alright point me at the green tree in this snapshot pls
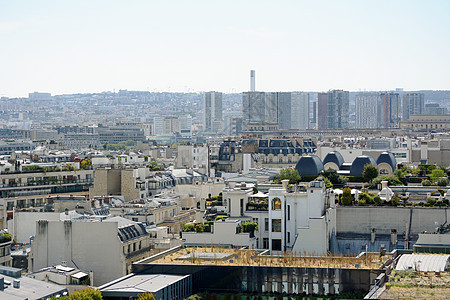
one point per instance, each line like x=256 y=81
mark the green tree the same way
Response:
x=442 y=182
x=249 y=227
x=370 y=172
x=84 y=294
x=199 y=227
x=189 y=227
x=391 y=179
x=437 y=173
x=291 y=174
x=426 y=182
x=347 y=196
x=331 y=174
x=334 y=177
x=377 y=200
x=395 y=200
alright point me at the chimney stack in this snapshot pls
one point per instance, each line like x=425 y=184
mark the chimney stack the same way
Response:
x=252 y=81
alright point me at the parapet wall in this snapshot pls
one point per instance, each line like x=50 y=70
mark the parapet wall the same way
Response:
x=361 y=220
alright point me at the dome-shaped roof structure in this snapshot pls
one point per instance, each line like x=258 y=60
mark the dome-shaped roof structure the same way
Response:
x=359 y=163
x=334 y=157
x=309 y=165
x=388 y=158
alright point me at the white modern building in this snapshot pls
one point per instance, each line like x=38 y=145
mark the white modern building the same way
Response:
x=413 y=104
x=297 y=219
x=158 y=125
x=299 y=110
x=368 y=110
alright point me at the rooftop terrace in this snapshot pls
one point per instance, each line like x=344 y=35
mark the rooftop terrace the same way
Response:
x=246 y=257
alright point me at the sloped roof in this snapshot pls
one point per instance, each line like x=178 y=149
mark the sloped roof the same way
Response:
x=309 y=165
x=389 y=158
x=334 y=157
x=359 y=163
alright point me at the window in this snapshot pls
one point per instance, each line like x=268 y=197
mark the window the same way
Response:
x=276 y=244
x=265 y=243
x=276 y=203
x=276 y=225
x=288 y=237
x=288 y=212
x=266 y=224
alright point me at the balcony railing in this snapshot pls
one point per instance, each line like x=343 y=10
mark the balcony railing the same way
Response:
x=139 y=252
x=11 y=185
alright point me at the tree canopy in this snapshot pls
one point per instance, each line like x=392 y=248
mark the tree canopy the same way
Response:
x=370 y=172
x=291 y=174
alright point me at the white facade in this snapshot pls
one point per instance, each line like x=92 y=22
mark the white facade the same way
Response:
x=301 y=221
x=298 y=221
x=368 y=110
x=88 y=245
x=186 y=125
x=223 y=233
x=194 y=157
x=299 y=110
x=158 y=125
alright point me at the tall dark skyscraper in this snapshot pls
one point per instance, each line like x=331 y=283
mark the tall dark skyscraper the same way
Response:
x=391 y=110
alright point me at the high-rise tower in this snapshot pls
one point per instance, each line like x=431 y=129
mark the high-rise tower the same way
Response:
x=413 y=104
x=333 y=110
x=252 y=81
x=212 y=112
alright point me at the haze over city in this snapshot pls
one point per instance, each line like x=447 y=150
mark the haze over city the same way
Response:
x=198 y=150
x=93 y=46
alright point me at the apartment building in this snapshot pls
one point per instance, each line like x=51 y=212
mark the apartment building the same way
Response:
x=107 y=247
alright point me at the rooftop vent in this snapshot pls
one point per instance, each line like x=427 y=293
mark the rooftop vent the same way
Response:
x=16 y=283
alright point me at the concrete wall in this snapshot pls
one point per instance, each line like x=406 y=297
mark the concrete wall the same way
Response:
x=128 y=185
x=224 y=233
x=348 y=154
x=313 y=239
x=24 y=224
x=90 y=246
x=106 y=182
x=199 y=190
x=383 y=219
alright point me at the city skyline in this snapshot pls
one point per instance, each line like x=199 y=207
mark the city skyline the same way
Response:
x=81 y=47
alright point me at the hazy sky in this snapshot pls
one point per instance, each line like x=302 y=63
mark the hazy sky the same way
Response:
x=92 y=46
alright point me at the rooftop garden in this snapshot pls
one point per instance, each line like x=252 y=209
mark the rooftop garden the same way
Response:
x=417 y=285
x=243 y=257
x=5 y=237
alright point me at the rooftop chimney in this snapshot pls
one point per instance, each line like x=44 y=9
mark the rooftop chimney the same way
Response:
x=16 y=283
x=284 y=183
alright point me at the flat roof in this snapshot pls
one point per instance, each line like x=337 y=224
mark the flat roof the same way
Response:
x=30 y=288
x=244 y=257
x=141 y=283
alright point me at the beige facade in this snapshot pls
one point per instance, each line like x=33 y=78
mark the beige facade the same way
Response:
x=124 y=182
x=427 y=122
